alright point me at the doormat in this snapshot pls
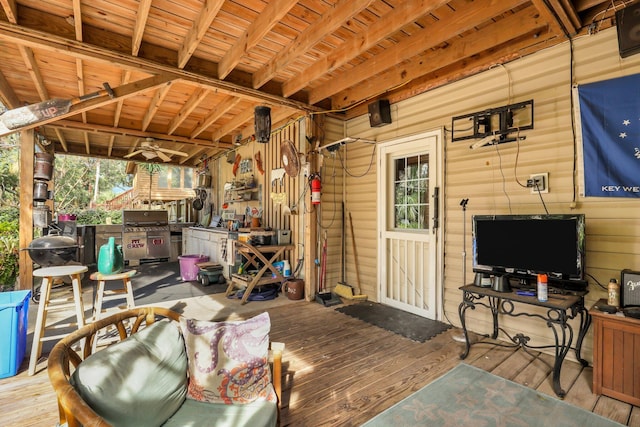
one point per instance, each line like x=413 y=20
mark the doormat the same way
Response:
x=469 y=396
x=412 y=326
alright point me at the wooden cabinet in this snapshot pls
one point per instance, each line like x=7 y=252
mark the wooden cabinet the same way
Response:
x=213 y=243
x=616 y=355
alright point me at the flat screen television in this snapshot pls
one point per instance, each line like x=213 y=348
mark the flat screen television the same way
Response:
x=522 y=246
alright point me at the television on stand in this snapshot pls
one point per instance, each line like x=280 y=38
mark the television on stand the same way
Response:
x=520 y=247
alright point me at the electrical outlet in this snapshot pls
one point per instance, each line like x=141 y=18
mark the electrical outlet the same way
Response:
x=538 y=182
x=305 y=169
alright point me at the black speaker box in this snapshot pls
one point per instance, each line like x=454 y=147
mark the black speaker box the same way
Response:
x=629 y=288
x=379 y=113
x=628 y=26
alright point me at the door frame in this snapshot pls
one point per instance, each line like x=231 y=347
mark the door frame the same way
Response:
x=438 y=234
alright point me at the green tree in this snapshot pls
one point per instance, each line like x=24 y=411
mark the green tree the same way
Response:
x=9 y=174
x=75 y=178
x=151 y=169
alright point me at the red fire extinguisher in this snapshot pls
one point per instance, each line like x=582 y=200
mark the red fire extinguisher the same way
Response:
x=316 y=188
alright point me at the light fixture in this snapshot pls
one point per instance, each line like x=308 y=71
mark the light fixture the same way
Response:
x=262 y=123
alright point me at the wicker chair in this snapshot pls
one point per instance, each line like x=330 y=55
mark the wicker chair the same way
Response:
x=64 y=359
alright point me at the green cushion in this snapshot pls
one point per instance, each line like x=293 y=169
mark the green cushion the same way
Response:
x=194 y=413
x=140 y=381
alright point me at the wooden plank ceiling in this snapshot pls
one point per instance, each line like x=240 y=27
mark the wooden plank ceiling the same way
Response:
x=189 y=73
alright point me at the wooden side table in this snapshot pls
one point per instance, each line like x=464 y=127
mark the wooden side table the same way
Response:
x=48 y=274
x=616 y=355
x=254 y=254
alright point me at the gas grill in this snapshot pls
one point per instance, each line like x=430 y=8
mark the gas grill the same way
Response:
x=145 y=235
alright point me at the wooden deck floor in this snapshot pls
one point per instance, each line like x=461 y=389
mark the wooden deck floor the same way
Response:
x=340 y=371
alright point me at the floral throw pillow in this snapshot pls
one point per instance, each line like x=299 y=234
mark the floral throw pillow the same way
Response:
x=228 y=361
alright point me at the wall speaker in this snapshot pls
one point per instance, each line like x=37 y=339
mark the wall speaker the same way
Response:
x=628 y=26
x=629 y=288
x=379 y=113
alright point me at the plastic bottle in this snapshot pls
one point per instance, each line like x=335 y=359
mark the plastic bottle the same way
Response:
x=614 y=293
x=542 y=288
x=286 y=269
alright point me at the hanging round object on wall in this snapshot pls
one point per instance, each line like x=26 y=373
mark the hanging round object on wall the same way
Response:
x=262 y=123
x=290 y=158
x=197 y=203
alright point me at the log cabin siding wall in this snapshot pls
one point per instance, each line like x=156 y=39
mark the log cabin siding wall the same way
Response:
x=487 y=176
x=143 y=190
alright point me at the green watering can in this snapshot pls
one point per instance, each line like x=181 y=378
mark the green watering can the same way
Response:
x=110 y=258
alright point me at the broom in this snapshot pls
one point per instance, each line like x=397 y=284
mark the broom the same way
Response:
x=343 y=289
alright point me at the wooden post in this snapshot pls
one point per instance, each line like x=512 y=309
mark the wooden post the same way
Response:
x=27 y=138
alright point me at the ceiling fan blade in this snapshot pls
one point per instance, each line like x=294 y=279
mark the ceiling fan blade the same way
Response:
x=163 y=156
x=177 y=153
x=134 y=153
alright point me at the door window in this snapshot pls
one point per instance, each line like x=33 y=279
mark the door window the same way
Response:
x=411 y=192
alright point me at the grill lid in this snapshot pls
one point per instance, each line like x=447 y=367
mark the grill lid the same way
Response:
x=142 y=218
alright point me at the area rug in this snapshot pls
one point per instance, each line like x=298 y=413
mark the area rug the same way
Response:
x=408 y=325
x=469 y=396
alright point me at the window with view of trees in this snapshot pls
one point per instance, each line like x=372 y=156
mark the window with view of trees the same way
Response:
x=411 y=192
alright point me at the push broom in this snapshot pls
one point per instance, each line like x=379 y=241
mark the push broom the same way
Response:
x=342 y=288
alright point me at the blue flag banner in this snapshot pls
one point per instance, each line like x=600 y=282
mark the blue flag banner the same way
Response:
x=610 y=118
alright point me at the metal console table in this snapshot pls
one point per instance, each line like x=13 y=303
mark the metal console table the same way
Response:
x=560 y=309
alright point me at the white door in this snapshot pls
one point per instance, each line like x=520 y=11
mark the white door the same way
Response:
x=409 y=223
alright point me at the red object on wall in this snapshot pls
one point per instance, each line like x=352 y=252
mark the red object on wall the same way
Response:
x=316 y=189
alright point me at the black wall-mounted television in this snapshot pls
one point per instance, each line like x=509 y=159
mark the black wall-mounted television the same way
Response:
x=523 y=246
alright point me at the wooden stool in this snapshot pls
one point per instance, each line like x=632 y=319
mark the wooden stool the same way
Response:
x=126 y=292
x=48 y=275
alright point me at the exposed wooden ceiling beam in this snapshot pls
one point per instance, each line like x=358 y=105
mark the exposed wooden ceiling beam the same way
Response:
x=77 y=19
x=59 y=45
x=220 y=109
x=126 y=132
x=141 y=23
x=233 y=124
x=502 y=32
x=548 y=15
x=112 y=139
x=87 y=146
x=424 y=39
x=266 y=20
x=77 y=25
x=194 y=153
x=157 y=99
x=34 y=71
x=10 y=9
x=61 y=139
x=126 y=77
x=397 y=18
x=566 y=14
x=198 y=30
x=331 y=21
x=196 y=98
x=7 y=95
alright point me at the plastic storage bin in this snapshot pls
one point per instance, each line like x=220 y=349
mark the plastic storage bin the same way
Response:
x=14 y=312
x=188 y=268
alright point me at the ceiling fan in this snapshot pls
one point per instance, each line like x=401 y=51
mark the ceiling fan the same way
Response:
x=149 y=151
